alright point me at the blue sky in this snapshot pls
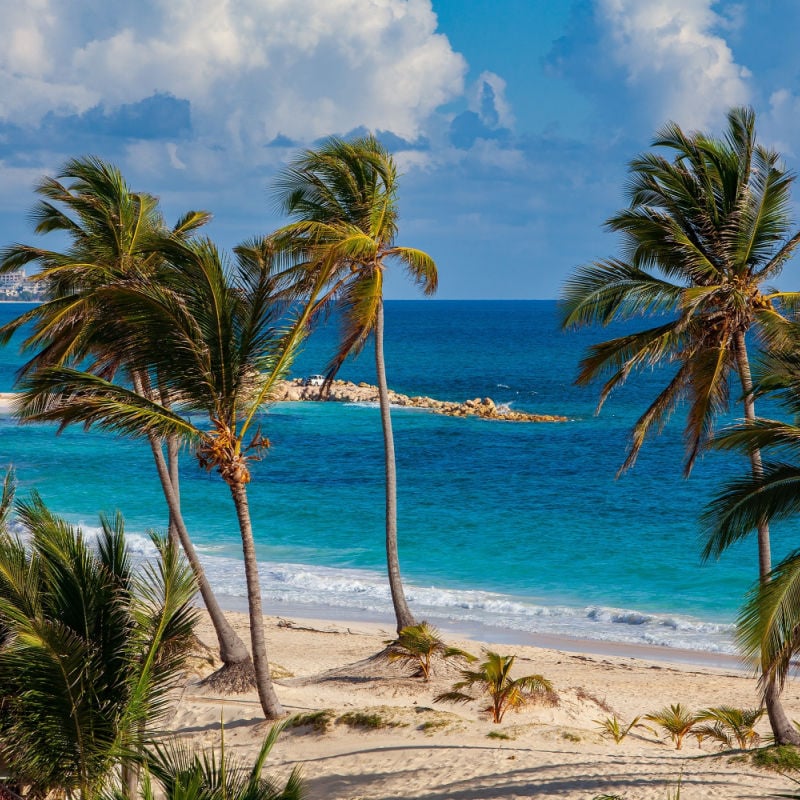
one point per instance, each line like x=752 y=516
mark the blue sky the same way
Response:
x=512 y=120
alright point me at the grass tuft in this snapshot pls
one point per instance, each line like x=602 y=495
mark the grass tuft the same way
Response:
x=365 y=721
x=780 y=758
x=434 y=725
x=318 y=721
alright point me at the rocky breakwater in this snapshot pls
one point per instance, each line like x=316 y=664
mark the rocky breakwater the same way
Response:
x=346 y=392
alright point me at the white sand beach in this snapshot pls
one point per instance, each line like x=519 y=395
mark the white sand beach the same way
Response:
x=435 y=750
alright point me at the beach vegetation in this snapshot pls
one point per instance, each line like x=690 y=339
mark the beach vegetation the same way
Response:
x=367 y=720
x=417 y=645
x=676 y=720
x=705 y=232
x=731 y=727
x=777 y=758
x=90 y=652
x=342 y=201
x=499 y=735
x=583 y=694
x=614 y=728
x=182 y=772
x=319 y=721
x=493 y=678
x=431 y=725
x=115 y=238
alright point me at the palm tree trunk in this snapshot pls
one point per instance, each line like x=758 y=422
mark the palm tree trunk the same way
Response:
x=270 y=704
x=174 y=477
x=401 y=609
x=236 y=673
x=782 y=728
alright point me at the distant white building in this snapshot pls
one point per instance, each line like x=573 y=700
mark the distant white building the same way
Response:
x=12 y=280
x=16 y=285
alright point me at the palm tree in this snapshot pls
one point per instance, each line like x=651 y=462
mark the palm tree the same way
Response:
x=729 y=726
x=768 y=622
x=116 y=237
x=703 y=234
x=418 y=645
x=90 y=651
x=676 y=720
x=220 y=345
x=342 y=198
x=493 y=677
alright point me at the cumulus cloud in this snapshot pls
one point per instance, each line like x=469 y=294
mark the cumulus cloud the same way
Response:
x=669 y=51
x=648 y=61
x=250 y=70
x=778 y=126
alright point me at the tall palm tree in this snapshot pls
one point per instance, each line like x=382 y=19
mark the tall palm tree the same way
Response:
x=342 y=198
x=90 y=652
x=703 y=234
x=769 y=623
x=220 y=345
x=115 y=238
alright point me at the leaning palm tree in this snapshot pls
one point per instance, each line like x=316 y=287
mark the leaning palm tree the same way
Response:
x=90 y=653
x=704 y=233
x=115 y=238
x=220 y=345
x=342 y=198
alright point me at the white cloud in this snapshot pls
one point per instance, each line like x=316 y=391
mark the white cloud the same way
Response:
x=250 y=69
x=672 y=58
x=778 y=126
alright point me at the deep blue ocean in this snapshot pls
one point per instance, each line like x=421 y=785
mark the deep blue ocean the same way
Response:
x=522 y=527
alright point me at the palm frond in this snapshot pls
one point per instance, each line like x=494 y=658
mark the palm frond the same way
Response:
x=766 y=629
x=69 y=396
x=745 y=502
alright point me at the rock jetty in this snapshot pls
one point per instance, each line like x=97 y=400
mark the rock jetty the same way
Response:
x=347 y=392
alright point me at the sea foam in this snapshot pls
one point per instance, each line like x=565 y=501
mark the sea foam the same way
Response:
x=356 y=590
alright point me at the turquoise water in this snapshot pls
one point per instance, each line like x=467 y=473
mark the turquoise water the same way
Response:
x=517 y=526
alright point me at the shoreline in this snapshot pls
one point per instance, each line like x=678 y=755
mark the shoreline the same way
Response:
x=481 y=632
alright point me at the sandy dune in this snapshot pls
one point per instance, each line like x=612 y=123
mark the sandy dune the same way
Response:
x=432 y=750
